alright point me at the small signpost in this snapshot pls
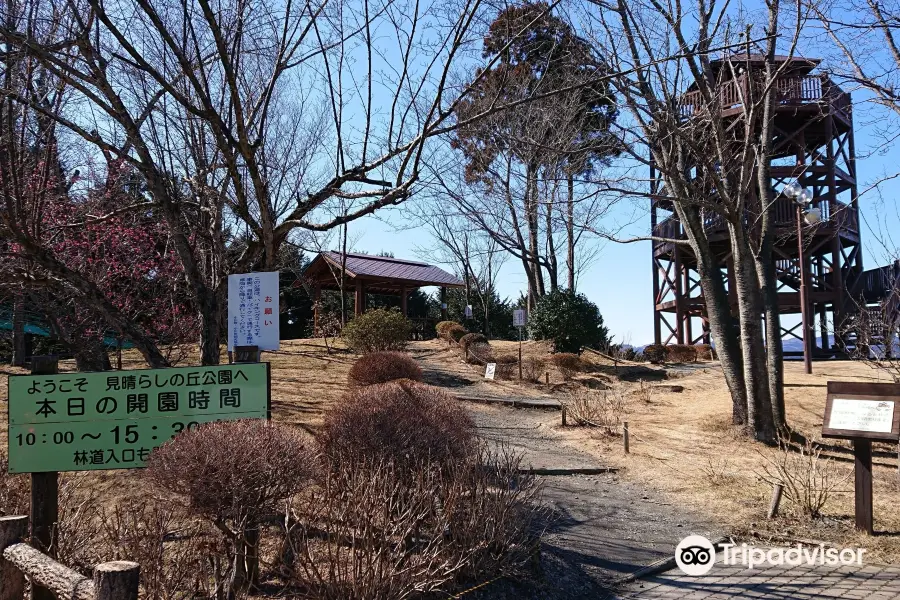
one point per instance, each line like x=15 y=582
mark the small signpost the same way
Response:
x=253 y=311
x=519 y=322
x=113 y=419
x=489 y=370
x=862 y=412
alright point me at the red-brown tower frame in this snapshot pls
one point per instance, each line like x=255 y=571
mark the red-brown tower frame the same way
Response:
x=813 y=144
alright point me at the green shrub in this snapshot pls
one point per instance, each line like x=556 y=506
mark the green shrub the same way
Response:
x=381 y=367
x=377 y=330
x=456 y=332
x=682 y=353
x=656 y=353
x=569 y=320
x=567 y=364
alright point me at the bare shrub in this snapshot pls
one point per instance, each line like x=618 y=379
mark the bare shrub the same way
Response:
x=15 y=491
x=682 y=353
x=644 y=392
x=596 y=408
x=76 y=536
x=377 y=330
x=455 y=332
x=235 y=474
x=705 y=352
x=656 y=353
x=470 y=339
x=479 y=353
x=381 y=367
x=372 y=532
x=402 y=421
x=719 y=472
x=507 y=365
x=177 y=553
x=442 y=327
x=568 y=364
x=533 y=368
x=808 y=478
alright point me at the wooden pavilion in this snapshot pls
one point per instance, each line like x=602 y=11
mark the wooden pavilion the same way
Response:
x=367 y=274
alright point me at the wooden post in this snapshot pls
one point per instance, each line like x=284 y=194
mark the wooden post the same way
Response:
x=564 y=415
x=443 y=304
x=12 y=581
x=547 y=377
x=862 y=454
x=116 y=580
x=777 y=490
x=403 y=308
x=44 y=492
x=625 y=436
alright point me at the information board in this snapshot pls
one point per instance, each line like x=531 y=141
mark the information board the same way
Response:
x=875 y=416
x=490 y=370
x=862 y=410
x=253 y=310
x=518 y=318
x=113 y=419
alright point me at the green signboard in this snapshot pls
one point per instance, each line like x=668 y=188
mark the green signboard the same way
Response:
x=112 y=420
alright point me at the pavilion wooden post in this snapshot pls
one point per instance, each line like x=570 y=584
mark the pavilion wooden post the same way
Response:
x=443 y=303
x=317 y=295
x=403 y=307
x=44 y=492
x=359 y=304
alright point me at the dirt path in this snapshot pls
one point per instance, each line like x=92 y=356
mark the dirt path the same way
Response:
x=601 y=528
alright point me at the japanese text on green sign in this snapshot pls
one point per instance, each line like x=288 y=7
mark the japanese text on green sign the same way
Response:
x=112 y=420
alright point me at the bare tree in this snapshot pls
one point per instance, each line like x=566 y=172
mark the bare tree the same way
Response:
x=701 y=97
x=252 y=117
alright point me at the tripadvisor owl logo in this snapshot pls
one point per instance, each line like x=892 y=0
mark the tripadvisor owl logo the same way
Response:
x=695 y=555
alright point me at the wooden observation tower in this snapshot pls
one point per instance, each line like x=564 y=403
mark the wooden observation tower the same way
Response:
x=813 y=145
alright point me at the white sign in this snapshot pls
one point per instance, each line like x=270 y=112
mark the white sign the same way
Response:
x=253 y=310
x=518 y=318
x=468 y=311
x=876 y=416
x=489 y=370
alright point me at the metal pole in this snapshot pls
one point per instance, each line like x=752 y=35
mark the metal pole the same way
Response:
x=520 y=352
x=804 y=308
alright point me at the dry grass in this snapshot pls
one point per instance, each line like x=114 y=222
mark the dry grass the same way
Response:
x=684 y=445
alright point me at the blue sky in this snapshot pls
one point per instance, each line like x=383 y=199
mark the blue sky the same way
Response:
x=619 y=281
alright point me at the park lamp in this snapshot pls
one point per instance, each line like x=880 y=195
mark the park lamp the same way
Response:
x=803 y=197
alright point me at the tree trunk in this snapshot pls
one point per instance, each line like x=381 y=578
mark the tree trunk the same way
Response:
x=210 y=328
x=750 y=306
x=531 y=211
x=570 y=231
x=18 y=324
x=721 y=323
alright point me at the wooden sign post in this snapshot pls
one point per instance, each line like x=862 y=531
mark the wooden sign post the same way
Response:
x=862 y=412
x=44 y=492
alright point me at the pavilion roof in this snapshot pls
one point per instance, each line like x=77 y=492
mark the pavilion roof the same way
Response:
x=378 y=272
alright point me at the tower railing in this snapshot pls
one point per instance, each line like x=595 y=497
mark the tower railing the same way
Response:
x=838 y=215
x=790 y=90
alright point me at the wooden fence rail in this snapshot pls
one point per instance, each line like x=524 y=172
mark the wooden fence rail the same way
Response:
x=117 y=580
